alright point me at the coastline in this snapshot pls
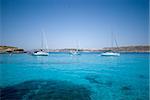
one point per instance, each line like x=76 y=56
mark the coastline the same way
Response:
x=123 y=49
x=10 y=49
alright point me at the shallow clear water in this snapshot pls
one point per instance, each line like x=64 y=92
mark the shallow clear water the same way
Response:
x=100 y=78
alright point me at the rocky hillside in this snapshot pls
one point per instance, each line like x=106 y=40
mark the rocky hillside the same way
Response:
x=10 y=49
x=130 y=49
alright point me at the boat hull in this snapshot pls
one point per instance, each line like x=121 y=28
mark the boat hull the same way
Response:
x=41 y=54
x=74 y=53
x=110 y=54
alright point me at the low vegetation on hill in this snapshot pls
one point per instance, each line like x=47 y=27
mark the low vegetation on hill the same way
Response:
x=130 y=49
x=10 y=49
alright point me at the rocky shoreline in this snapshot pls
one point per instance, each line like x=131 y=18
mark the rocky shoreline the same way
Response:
x=130 y=49
x=10 y=49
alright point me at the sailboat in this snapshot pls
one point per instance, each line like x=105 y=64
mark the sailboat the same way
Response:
x=42 y=52
x=111 y=52
x=75 y=52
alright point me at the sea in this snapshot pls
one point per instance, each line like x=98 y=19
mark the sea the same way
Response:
x=62 y=76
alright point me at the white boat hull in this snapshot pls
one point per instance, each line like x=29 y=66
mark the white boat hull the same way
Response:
x=41 y=53
x=74 y=53
x=110 y=54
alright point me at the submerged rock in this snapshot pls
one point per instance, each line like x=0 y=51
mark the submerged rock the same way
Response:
x=93 y=79
x=97 y=80
x=126 y=88
x=142 y=77
x=45 y=90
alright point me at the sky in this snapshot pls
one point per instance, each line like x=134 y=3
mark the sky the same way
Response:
x=68 y=23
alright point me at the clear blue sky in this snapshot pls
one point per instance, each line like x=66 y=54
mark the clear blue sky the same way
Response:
x=90 y=22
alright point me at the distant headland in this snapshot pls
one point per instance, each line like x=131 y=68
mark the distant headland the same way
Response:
x=141 y=48
x=11 y=49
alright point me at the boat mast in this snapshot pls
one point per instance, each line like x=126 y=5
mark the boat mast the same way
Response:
x=77 y=47
x=42 y=41
x=116 y=43
x=112 y=40
x=46 y=43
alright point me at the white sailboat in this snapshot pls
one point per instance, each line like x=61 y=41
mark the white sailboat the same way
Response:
x=111 y=52
x=75 y=52
x=42 y=51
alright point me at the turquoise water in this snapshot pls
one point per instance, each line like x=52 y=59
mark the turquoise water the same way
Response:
x=88 y=76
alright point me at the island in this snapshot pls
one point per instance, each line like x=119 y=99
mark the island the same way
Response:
x=116 y=49
x=10 y=49
x=130 y=48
